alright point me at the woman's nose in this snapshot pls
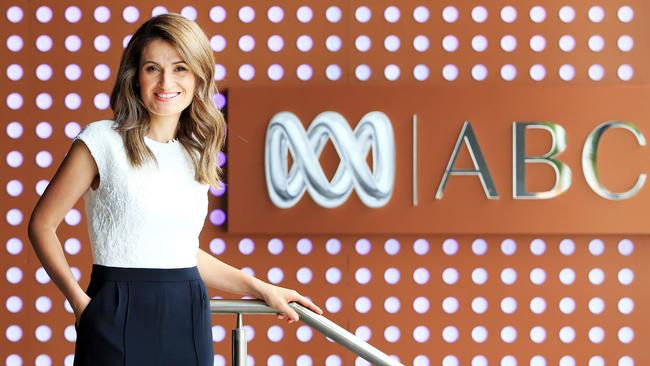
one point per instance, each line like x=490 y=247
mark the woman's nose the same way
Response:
x=166 y=79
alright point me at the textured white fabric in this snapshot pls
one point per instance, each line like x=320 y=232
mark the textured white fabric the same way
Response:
x=148 y=217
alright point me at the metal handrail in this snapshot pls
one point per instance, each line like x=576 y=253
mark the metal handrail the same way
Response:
x=327 y=327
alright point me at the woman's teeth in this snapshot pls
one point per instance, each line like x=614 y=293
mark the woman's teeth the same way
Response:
x=167 y=95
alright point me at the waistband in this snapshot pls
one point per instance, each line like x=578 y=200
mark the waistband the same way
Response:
x=101 y=272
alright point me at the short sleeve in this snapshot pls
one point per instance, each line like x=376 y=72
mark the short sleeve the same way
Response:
x=95 y=139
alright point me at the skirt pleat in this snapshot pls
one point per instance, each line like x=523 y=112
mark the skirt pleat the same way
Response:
x=145 y=316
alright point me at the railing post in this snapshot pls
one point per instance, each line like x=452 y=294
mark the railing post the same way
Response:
x=239 y=343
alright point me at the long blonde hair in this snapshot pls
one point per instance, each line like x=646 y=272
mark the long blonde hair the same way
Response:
x=201 y=128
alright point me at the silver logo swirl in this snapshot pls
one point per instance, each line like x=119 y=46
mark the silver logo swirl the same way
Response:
x=285 y=135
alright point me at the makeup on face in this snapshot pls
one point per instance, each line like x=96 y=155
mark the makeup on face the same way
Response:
x=166 y=81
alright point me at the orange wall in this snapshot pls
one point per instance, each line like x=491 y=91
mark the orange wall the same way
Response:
x=37 y=327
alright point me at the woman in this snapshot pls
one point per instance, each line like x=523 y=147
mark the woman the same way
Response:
x=144 y=177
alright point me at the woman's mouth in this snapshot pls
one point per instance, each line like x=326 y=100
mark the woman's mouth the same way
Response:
x=166 y=96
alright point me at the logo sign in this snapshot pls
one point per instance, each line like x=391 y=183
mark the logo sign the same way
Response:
x=373 y=134
x=502 y=160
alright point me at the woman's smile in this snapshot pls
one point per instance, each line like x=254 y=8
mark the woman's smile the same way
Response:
x=164 y=97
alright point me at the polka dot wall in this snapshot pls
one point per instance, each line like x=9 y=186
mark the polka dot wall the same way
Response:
x=432 y=300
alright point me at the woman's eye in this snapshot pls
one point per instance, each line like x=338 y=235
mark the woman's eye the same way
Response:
x=152 y=68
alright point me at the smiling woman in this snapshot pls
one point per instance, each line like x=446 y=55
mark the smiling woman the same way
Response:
x=147 y=301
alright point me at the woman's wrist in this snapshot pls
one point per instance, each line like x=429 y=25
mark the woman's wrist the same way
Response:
x=78 y=300
x=254 y=287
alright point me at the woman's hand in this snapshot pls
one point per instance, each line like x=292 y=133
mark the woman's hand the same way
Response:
x=80 y=307
x=280 y=297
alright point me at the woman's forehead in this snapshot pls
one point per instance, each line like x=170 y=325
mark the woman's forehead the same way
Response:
x=160 y=51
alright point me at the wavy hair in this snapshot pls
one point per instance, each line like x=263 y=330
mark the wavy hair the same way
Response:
x=201 y=128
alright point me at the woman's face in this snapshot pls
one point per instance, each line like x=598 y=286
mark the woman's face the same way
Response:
x=166 y=81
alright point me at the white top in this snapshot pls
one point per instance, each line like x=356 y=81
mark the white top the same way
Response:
x=144 y=217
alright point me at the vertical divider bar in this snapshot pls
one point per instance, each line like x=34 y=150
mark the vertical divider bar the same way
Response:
x=415 y=159
x=239 y=351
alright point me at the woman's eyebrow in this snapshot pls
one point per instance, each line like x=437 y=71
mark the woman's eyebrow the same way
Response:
x=154 y=62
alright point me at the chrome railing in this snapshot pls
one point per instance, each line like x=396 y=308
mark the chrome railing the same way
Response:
x=327 y=327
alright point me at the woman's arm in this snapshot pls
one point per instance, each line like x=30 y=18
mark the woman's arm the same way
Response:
x=222 y=276
x=73 y=177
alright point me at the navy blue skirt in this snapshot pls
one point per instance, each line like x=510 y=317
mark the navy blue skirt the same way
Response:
x=145 y=316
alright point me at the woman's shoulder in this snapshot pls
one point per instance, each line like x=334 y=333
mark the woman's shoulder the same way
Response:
x=104 y=129
x=102 y=125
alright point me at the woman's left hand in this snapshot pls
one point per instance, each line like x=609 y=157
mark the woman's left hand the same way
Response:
x=280 y=297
